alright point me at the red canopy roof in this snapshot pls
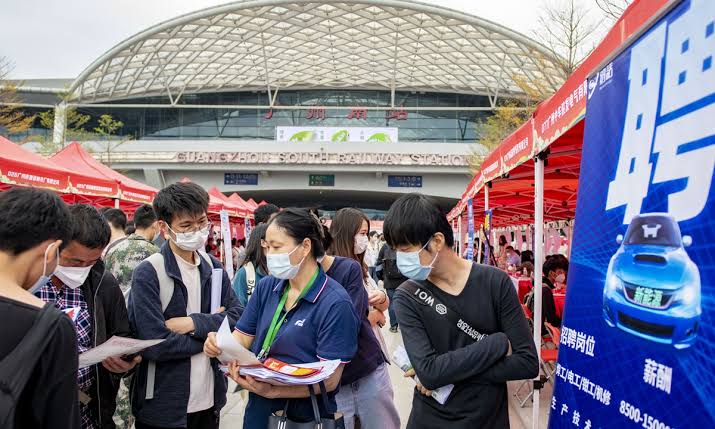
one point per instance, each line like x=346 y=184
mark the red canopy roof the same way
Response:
x=557 y=125
x=19 y=166
x=233 y=208
x=252 y=203
x=75 y=158
x=237 y=198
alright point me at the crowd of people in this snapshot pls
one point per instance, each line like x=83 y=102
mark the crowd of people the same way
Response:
x=71 y=278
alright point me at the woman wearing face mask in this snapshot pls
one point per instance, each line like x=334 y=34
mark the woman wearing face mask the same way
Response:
x=461 y=322
x=366 y=392
x=297 y=315
x=34 y=224
x=555 y=269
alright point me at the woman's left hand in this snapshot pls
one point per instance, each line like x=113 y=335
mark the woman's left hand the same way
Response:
x=249 y=383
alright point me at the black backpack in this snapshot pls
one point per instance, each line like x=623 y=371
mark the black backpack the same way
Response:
x=17 y=367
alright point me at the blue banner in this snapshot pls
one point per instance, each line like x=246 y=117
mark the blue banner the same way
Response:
x=638 y=339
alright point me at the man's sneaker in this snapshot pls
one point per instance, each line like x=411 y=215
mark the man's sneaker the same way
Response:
x=393 y=329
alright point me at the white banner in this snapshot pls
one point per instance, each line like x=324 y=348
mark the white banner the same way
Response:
x=227 y=248
x=336 y=134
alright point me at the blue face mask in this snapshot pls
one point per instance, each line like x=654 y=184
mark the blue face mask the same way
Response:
x=410 y=266
x=44 y=278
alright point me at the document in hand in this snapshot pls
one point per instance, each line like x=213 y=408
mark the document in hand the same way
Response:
x=403 y=361
x=231 y=349
x=114 y=347
x=319 y=371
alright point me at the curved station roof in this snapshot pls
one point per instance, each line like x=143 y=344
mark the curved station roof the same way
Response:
x=278 y=44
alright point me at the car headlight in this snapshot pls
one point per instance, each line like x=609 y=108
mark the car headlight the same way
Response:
x=614 y=283
x=690 y=294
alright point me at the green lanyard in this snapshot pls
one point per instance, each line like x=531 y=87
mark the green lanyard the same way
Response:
x=276 y=323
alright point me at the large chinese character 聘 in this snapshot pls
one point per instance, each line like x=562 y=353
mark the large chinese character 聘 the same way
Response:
x=632 y=179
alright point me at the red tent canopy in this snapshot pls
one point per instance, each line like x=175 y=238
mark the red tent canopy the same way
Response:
x=75 y=158
x=234 y=208
x=215 y=204
x=237 y=198
x=252 y=203
x=555 y=130
x=19 y=166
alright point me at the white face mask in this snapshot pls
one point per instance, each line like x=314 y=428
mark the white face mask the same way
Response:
x=279 y=265
x=44 y=278
x=191 y=241
x=72 y=277
x=561 y=278
x=361 y=242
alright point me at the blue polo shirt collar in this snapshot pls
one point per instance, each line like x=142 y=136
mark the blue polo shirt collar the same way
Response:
x=315 y=291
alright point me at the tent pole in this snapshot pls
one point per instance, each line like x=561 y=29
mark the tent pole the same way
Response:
x=538 y=261
x=116 y=203
x=461 y=237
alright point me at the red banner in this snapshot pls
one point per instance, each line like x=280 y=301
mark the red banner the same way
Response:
x=518 y=147
x=492 y=165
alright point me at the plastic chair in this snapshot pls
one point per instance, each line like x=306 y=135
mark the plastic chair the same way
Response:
x=548 y=360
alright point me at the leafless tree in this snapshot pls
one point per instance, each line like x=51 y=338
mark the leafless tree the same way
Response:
x=613 y=9
x=566 y=27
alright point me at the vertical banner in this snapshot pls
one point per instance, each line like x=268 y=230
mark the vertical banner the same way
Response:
x=487 y=233
x=638 y=338
x=470 y=229
x=227 y=249
x=247 y=228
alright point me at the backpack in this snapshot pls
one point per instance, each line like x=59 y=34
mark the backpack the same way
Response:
x=166 y=292
x=17 y=367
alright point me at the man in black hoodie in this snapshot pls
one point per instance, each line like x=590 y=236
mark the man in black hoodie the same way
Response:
x=91 y=296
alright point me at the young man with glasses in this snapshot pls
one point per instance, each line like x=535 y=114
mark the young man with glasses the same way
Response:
x=177 y=386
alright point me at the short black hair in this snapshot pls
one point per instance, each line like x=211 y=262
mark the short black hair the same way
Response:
x=509 y=247
x=89 y=228
x=144 y=217
x=413 y=220
x=131 y=228
x=301 y=224
x=527 y=256
x=116 y=218
x=263 y=213
x=31 y=216
x=554 y=262
x=180 y=199
x=372 y=233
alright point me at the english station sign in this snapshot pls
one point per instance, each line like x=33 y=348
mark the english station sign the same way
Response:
x=321 y=158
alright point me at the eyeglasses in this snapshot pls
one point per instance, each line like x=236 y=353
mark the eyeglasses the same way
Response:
x=193 y=228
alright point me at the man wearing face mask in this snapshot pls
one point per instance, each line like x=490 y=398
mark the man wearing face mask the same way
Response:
x=461 y=323
x=83 y=287
x=34 y=224
x=177 y=386
x=555 y=269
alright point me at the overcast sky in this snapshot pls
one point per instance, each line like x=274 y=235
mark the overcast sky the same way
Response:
x=58 y=39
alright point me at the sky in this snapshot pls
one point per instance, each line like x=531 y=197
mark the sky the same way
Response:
x=59 y=39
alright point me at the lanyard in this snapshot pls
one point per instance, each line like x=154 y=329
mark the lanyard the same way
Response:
x=275 y=322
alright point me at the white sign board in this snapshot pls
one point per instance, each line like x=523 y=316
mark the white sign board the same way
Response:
x=336 y=134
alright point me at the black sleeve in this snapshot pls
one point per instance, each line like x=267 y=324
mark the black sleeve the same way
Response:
x=548 y=308
x=55 y=399
x=436 y=370
x=115 y=308
x=522 y=364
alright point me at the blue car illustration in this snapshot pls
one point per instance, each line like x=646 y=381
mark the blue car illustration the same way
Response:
x=652 y=286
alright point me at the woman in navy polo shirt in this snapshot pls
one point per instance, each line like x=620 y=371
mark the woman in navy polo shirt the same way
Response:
x=366 y=390
x=296 y=315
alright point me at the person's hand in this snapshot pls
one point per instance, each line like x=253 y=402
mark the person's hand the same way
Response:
x=423 y=390
x=249 y=383
x=210 y=347
x=509 y=351
x=376 y=297
x=118 y=365
x=220 y=310
x=181 y=325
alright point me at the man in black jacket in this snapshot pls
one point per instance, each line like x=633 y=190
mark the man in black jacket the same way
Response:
x=391 y=278
x=91 y=296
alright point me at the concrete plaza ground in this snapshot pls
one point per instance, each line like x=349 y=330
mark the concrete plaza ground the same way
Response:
x=520 y=418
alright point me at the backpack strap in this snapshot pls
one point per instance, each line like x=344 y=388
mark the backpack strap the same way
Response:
x=423 y=296
x=250 y=277
x=166 y=292
x=17 y=367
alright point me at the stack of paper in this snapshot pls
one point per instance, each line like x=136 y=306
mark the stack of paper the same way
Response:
x=325 y=370
x=233 y=351
x=403 y=361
